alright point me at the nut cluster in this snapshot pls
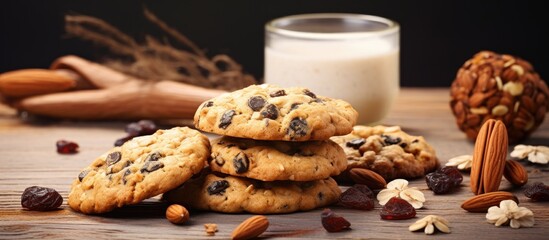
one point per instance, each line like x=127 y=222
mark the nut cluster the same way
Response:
x=502 y=87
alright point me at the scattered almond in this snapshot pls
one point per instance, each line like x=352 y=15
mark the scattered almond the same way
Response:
x=481 y=202
x=210 y=228
x=367 y=177
x=28 y=82
x=250 y=228
x=515 y=173
x=177 y=214
x=489 y=157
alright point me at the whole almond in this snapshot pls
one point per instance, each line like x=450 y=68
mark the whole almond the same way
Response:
x=177 y=214
x=29 y=82
x=489 y=157
x=250 y=228
x=367 y=177
x=515 y=173
x=481 y=202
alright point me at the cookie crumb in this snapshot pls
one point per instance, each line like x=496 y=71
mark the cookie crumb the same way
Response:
x=211 y=228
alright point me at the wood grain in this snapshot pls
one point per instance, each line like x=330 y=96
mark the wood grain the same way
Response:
x=28 y=157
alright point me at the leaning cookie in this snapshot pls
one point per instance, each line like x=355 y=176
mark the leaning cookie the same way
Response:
x=277 y=160
x=388 y=151
x=268 y=112
x=141 y=168
x=229 y=194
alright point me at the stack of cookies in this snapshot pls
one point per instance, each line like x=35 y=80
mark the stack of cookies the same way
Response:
x=275 y=154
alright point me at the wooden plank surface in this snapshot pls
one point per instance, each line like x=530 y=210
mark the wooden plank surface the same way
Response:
x=28 y=157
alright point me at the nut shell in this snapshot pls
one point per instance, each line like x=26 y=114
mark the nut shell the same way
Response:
x=501 y=87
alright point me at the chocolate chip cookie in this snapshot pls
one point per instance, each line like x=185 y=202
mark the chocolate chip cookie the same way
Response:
x=230 y=194
x=268 y=112
x=277 y=160
x=139 y=169
x=388 y=151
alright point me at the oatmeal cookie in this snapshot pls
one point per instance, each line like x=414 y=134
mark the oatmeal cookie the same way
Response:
x=388 y=151
x=139 y=169
x=268 y=112
x=277 y=160
x=230 y=194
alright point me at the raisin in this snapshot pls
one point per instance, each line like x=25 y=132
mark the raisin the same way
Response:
x=41 y=199
x=241 y=163
x=151 y=166
x=126 y=173
x=397 y=209
x=278 y=93
x=390 y=140
x=140 y=128
x=356 y=143
x=439 y=182
x=453 y=173
x=297 y=128
x=218 y=187
x=537 y=192
x=83 y=174
x=113 y=158
x=121 y=141
x=256 y=103
x=270 y=111
x=309 y=93
x=333 y=222
x=226 y=119
x=294 y=106
x=153 y=156
x=66 y=147
x=356 y=199
x=208 y=104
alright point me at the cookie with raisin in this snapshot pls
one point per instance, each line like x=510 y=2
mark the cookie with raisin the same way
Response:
x=230 y=194
x=387 y=150
x=141 y=168
x=268 y=112
x=277 y=160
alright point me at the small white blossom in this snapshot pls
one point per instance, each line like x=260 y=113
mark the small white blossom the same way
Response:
x=509 y=212
x=463 y=162
x=535 y=154
x=399 y=188
x=429 y=223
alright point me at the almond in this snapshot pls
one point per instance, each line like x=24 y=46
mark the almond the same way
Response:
x=367 y=177
x=481 y=202
x=515 y=173
x=489 y=157
x=250 y=228
x=29 y=82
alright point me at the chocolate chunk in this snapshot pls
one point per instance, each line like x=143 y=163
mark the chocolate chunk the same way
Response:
x=218 y=187
x=278 y=93
x=356 y=143
x=270 y=111
x=113 y=158
x=151 y=166
x=208 y=104
x=83 y=174
x=390 y=140
x=241 y=163
x=403 y=145
x=309 y=93
x=294 y=106
x=153 y=156
x=256 y=103
x=126 y=173
x=415 y=141
x=297 y=128
x=226 y=119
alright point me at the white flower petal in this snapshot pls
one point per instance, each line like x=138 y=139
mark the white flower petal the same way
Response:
x=508 y=205
x=385 y=195
x=441 y=227
x=398 y=184
x=494 y=213
x=413 y=196
x=461 y=162
x=429 y=229
x=526 y=221
x=521 y=151
x=543 y=149
x=514 y=223
x=417 y=225
x=501 y=220
x=538 y=157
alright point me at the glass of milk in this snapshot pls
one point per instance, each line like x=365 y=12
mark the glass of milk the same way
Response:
x=352 y=57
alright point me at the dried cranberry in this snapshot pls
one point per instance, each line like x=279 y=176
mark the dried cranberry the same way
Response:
x=41 y=199
x=333 y=222
x=354 y=198
x=365 y=189
x=439 y=182
x=537 y=192
x=453 y=173
x=66 y=147
x=397 y=209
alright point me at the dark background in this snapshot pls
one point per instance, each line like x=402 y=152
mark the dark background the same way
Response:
x=436 y=36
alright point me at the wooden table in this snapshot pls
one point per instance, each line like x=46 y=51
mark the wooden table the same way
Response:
x=28 y=157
